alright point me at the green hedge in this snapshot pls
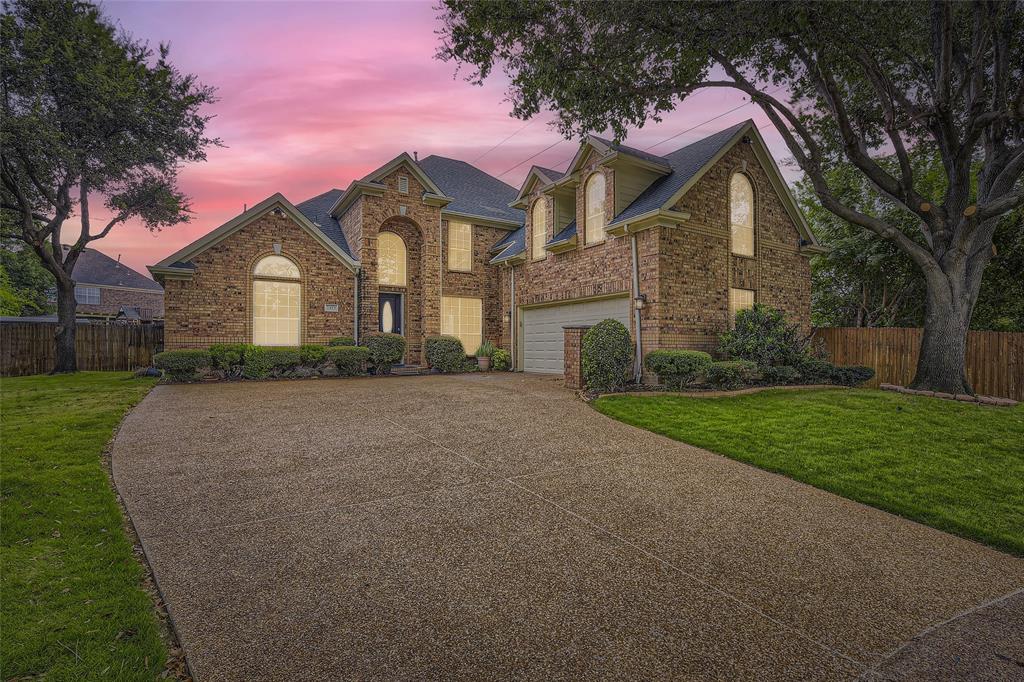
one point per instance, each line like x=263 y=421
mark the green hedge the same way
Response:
x=851 y=375
x=182 y=365
x=227 y=356
x=312 y=355
x=501 y=360
x=259 y=362
x=607 y=354
x=342 y=341
x=385 y=350
x=731 y=374
x=677 y=368
x=350 y=360
x=781 y=374
x=815 y=371
x=445 y=354
x=762 y=335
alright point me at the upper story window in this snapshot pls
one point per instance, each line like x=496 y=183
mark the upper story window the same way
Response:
x=460 y=247
x=276 y=302
x=594 y=206
x=741 y=215
x=538 y=226
x=403 y=184
x=89 y=295
x=390 y=259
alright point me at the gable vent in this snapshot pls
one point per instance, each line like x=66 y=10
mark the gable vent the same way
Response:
x=403 y=184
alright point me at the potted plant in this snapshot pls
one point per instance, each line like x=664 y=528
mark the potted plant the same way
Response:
x=483 y=355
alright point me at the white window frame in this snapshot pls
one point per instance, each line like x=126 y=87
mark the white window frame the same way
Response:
x=460 y=246
x=735 y=227
x=401 y=259
x=594 y=211
x=84 y=294
x=457 y=314
x=539 y=237
x=288 y=283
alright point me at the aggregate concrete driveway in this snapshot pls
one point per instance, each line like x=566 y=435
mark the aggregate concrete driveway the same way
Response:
x=492 y=526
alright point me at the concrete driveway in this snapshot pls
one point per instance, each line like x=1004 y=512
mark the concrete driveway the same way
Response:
x=492 y=526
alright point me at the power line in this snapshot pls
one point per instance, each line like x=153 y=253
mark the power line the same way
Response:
x=713 y=118
x=530 y=158
x=528 y=124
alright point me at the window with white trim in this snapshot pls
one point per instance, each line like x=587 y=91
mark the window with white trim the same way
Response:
x=594 y=205
x=463 y=318
x=739 y=299
x=460 y=246
x=391 y=259
x=276 y=302
x=88 y=295
x=741 y=215
x=538 y=227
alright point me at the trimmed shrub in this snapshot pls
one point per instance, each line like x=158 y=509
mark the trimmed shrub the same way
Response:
x=350 y=360
x=342 y=341
x=815 y=371
x=781 y=374
x=501 y=360
x=445 y=353
x=676 y=368
x=730 y=374
x=385 y=350
x=227 y=356
x=485 y=350
x=182 y=365
x=606 y=356
x=763 y=336
x=312 y=355
x=260 y=362
x=851 y=375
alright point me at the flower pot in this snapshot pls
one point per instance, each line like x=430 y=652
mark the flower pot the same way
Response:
x=484 y=362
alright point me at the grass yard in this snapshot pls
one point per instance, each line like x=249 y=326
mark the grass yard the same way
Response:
x=953 y=466
x=73 y=606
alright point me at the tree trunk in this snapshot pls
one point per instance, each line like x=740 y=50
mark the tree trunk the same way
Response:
x=65 y=337
x=940 y=365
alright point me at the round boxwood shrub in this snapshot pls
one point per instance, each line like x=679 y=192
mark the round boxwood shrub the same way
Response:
x=227 y=356
x=501 y=360
x=385 y=350
x=851 y=375
x=311 y=355
x=342 y=341
x=445 y=354
x=350 y=360
x=182 y=365
x=816 y=371
x=606 y=356
x=730 y=374
x=676 y=368
x=781 y=374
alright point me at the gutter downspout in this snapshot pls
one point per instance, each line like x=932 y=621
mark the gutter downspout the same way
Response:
x=355 y=312
x=638 y=361
x=512 y=315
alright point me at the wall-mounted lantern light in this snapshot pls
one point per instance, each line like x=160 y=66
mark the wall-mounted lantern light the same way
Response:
x=639 y=301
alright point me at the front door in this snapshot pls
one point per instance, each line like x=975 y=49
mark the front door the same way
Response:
x=390 y=313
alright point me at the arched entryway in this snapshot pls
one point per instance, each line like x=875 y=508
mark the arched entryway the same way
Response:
x=397 y=303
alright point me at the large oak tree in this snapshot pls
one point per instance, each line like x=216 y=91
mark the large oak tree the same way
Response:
x=89 y=114
x=841 y=81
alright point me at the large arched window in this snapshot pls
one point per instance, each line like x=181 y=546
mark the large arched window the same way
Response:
x=538 y=226
x=594 y=204
x=741 y=215
x=276 y=302
x=391 y=259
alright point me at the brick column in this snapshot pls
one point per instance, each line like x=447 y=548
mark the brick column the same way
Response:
x=573 y=363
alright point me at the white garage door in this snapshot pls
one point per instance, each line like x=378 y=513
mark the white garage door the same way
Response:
x=544 y=339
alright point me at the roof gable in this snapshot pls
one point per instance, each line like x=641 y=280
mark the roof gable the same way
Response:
x=404 y=159
x=318 y=211
x=537 y=175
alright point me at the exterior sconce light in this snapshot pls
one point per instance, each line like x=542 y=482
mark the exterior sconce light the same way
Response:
x=507 y=317
x=639 y=301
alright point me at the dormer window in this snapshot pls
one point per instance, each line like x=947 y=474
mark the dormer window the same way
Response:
x=538 y=226
x=594 y=205
x=403 y=184
x=741 y=215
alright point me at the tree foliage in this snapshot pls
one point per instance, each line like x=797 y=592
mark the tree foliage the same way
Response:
x=841 y=82
x=29 y=286
x=89 y=114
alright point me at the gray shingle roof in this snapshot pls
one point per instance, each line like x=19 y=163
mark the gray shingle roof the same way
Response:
x=94 y=267
x=685 y=162
x=632 y=151
x=552 y=175
x=564 y=235
x=318 y=210
x=473 y=191
x=516 y=244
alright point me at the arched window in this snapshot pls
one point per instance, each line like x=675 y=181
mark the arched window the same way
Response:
x=538 y=225
x=276 y=302
x=391 y=259
x=741 y=215
x=594 y=205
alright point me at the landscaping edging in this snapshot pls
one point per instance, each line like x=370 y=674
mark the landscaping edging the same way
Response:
x=962 y=397
x=710 y=394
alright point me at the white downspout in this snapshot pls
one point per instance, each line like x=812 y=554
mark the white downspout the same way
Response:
x=638 y=361
x=512 y=315
x=355 y=312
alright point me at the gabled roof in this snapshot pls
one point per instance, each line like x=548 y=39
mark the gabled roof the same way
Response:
x=96 y=267
x=612 y=146
x=318 y=210
x=605 y=147
x=536 y=176
x=515 y=245
x=179 y=264
x=566 y=233
x=473 y=192
x=549 y=175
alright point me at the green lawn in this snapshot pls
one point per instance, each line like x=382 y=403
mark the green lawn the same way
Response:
x=73 y=606
x=953 y=466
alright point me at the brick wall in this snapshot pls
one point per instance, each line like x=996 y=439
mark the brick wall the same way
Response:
x=573 y=341
x=150 y=303
x=483 y=281
x=215 y=306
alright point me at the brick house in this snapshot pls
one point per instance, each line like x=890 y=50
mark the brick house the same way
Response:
x=107 y=288
x=671 y=245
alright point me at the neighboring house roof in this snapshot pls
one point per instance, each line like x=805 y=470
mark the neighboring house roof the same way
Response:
x=318 y=210
x=473 y=192
x=99 y=269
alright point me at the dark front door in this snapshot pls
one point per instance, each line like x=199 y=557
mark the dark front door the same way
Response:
x=390 y=313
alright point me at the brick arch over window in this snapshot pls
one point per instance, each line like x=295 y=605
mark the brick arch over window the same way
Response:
x=276 y=301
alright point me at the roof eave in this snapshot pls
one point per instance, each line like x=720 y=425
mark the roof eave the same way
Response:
x=657 y=218
x=164 y=273
x=355 y=190
x=502 y=223
x=431 y=199
x=562 y=246
x=620 y=158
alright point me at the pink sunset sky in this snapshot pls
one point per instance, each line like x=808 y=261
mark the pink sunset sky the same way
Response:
x=315 y=95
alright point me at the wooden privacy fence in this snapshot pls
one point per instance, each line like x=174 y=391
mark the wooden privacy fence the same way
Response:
x=28 y=347
x=995 y=360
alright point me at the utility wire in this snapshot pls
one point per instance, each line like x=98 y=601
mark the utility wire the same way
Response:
x=528 y=124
